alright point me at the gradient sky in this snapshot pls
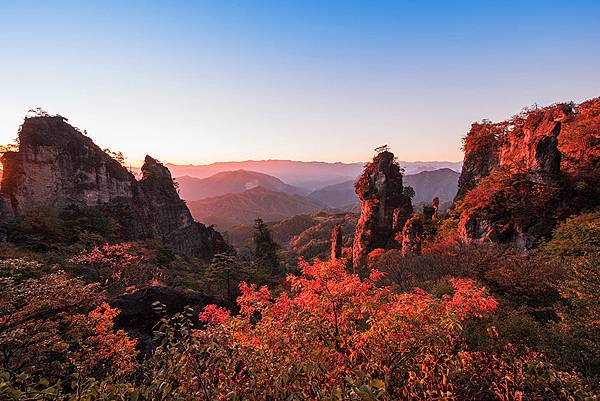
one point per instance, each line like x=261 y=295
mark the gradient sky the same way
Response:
x=197 y=82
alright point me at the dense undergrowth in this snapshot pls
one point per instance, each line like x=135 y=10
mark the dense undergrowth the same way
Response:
x=460 y=322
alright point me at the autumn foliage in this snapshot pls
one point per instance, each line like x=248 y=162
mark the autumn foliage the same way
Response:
x=335 y=335
x=327 y=334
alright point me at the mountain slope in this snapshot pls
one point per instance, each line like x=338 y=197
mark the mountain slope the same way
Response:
x=337 y=195
x=442 y=183
x=305 y=235
x=191 y=188
x=242 y=208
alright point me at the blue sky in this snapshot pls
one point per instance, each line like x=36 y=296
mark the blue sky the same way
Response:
x=197 y=82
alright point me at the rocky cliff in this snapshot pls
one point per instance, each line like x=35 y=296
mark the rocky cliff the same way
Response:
x=383 y=207
x=522 y=175
x=57 y=167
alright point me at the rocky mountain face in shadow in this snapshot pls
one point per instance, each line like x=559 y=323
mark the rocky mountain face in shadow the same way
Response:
x=522 y=175
x=57 y=168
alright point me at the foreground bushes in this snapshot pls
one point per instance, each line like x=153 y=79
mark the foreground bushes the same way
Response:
x=331 y=336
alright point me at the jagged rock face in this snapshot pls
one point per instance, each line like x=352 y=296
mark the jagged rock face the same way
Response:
x=435 y=204
x=337 y=242
x=481 y=147
x=532 y=145
x=512 y=188
x=527 y=143
x=579 y=139
x=383 y=207
x=412 y=235
x=57 y=167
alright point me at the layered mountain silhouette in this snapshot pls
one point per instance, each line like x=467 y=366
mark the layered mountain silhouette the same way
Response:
x=243 y=208
x=310 y=175
x=234 y=198
x=227 y=182
x=442 y=183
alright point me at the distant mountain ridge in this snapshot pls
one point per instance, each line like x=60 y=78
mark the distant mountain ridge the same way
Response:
x=235 y=198
x=311 y=175
x=442 y=183
x=191 y=188
x=242 y=208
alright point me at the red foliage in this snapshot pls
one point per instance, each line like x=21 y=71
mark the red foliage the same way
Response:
x=118 y=267
x=47 y=327
x=333 y=325
x=101 y=347
x=115 y=258
x=579 y=140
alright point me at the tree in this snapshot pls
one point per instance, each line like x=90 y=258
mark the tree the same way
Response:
x=118 y=156
x=38 y=112
x=408 y=191
x=336 y=336
x=116 y=266
x=265 y=249
x=226 y=269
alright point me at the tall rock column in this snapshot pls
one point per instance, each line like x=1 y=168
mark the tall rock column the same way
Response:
x=383 y=208
x=435 y=203
x=336 y=242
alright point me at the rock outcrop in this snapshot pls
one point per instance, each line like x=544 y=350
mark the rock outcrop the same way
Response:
x=412 y=235
x=515 y=185
x=481 y=147
x=384 y=208
x=57 y=167
x=527 y=143
x=337 y=242
x=435 y=204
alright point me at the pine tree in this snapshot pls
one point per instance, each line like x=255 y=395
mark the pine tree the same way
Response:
x=265 y=249
x=228 y=271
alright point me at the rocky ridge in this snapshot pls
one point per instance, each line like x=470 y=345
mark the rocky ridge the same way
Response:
x=522 y=175
x=57 y=167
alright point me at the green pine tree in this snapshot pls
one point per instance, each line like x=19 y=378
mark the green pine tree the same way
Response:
x=226 y=270
x=266 y=256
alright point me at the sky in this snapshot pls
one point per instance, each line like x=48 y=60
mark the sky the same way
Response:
x=205 y=81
